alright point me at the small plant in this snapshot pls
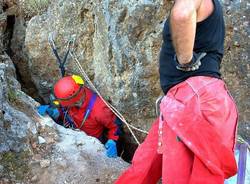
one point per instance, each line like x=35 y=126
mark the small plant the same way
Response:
x=12 y=96
x=15 y=163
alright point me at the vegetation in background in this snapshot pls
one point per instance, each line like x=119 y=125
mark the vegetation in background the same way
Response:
x=31 y=8
x=12 y=96
x=14 y=165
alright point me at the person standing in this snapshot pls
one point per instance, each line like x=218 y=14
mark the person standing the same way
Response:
x=192 y=142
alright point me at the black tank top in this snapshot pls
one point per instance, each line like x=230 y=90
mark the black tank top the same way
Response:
x=209 y=38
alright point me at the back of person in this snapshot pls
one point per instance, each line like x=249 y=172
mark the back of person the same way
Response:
x=209 y=38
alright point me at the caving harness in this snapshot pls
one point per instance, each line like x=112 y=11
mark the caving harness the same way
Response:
x=68 y=121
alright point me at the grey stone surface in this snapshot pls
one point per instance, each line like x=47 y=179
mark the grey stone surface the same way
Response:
x=76 y=158
x=16 y=127
x=236 y=62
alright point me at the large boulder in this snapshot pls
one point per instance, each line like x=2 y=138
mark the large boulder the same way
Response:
x=75 y=158
x=16 y=125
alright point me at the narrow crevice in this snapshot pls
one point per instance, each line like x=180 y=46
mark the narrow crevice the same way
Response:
x=22 y=74
x=8 y=34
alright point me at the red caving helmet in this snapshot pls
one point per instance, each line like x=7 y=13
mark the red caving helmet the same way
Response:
x=68 y=90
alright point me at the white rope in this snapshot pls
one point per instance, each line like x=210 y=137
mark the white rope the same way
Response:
x=112 y=108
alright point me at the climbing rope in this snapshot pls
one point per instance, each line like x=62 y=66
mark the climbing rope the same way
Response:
x=112 y=108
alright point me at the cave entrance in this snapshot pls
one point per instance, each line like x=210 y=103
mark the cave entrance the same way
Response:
x=18 y=56
x=127 y=145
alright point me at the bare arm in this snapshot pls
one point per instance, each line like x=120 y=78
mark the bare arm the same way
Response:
x=183 y=20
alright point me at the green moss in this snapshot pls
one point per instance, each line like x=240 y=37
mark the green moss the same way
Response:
x=15 y=163
x=12 y=96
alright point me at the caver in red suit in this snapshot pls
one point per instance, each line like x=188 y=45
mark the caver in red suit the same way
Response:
x=195 y=144
x=192 y=142
x=81 y=108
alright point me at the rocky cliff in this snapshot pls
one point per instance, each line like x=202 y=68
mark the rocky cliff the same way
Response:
x=117 y=44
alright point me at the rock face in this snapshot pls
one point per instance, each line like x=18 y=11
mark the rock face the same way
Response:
x=16 y=125
x=236 y=63
x=3 y=24
x=117 y=43
x=75 y=158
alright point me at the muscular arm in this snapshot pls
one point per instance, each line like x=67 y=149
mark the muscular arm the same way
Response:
x=183 y=20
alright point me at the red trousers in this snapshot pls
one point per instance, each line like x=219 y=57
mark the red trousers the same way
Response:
x=193 y=140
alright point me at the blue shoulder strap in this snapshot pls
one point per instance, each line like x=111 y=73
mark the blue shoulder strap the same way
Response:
x=89 y=108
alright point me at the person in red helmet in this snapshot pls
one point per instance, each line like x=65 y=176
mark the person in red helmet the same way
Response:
x=78 y=107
